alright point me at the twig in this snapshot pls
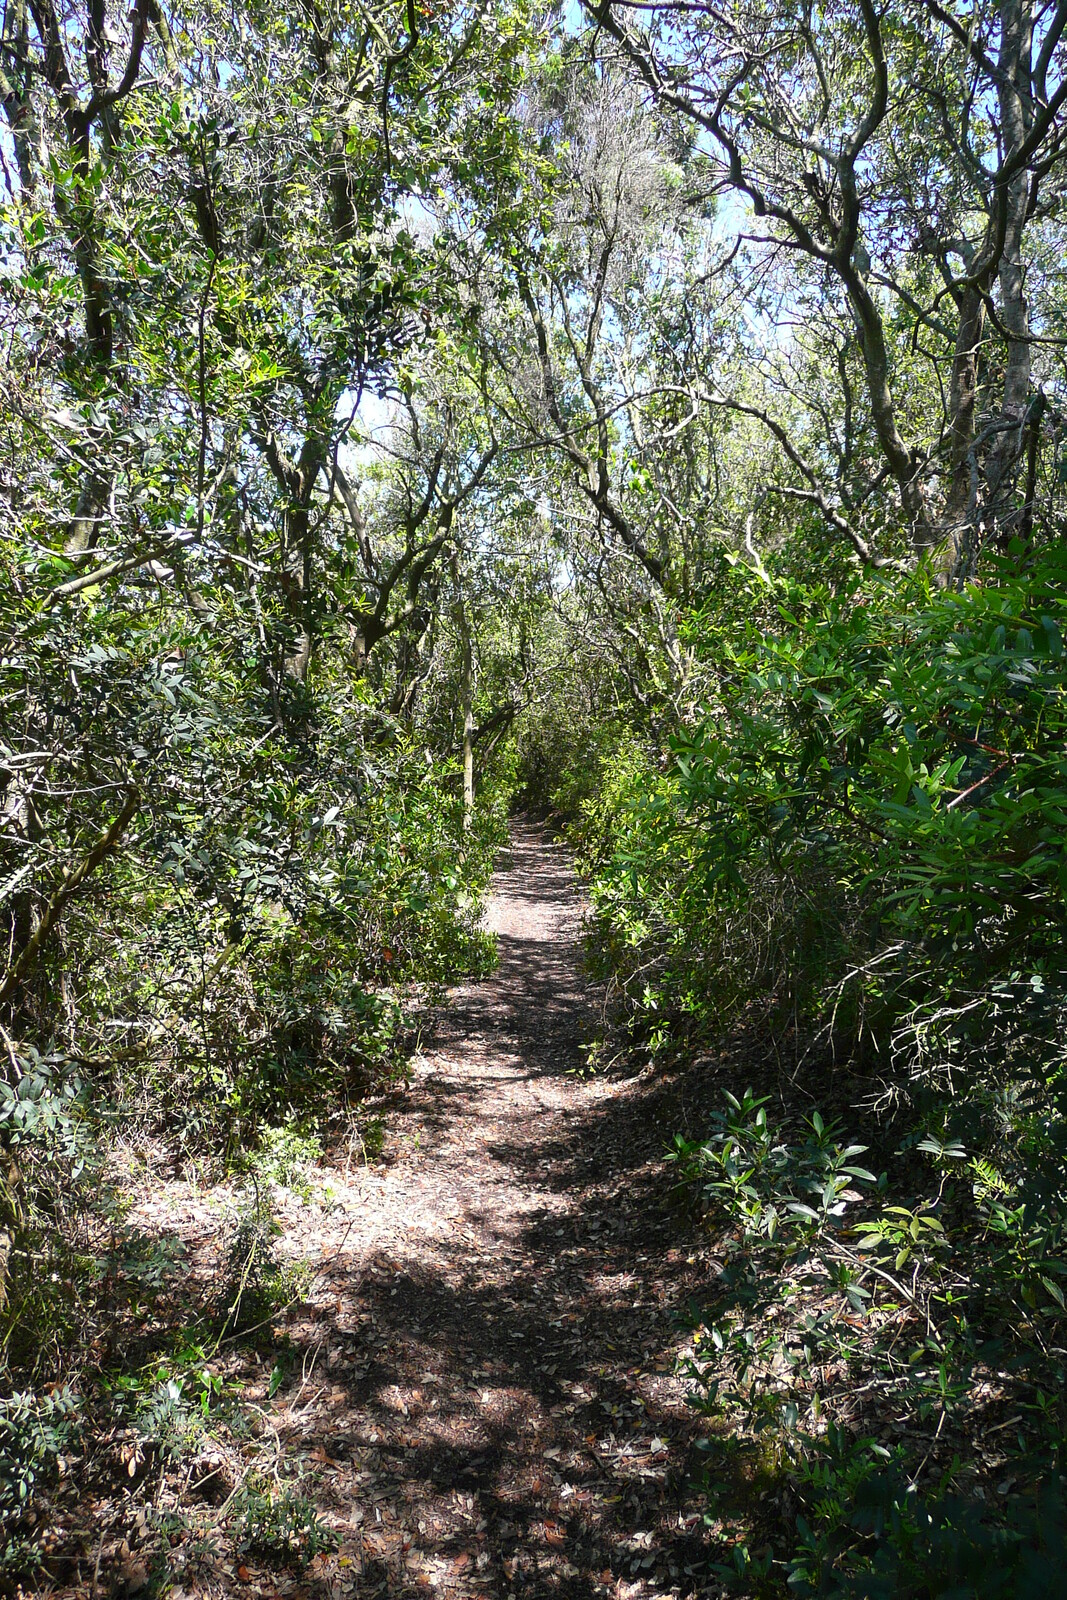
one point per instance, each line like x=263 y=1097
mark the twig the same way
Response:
x=94 y=1588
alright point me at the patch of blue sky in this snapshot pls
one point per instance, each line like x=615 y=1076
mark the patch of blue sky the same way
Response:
x=419 y=216
x=9 y=173
x=370 y=420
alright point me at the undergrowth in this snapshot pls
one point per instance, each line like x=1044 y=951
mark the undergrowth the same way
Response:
x=852 y=865
x=288 y=1042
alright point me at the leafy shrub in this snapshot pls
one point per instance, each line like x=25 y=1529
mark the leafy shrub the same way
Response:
x=857 y=854
x=791 y=1203
x=35 y=1430
x=279 y=1523
x=371 y=1136
x=909 y=1305
x=243 y=961
x=52 y=1185
x=869 y=1534
x=866 y=827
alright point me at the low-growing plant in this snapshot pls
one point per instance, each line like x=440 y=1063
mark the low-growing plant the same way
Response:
x=278 y=1523
x=35 y=1431
x=867 y=1532
x=370 y=1131
x=284 y=1155
x=167 y=1405
x=255 y=1283
x=248 y=1292
x=821 y=1275
x=50 y=1191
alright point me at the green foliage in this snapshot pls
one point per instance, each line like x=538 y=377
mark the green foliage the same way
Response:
x=167 y=1407
x=868 y=814
x=49 y=1182
x=788 y=1207
x=871 y=1535
x=857 y=852
x=233 y=843
x=35 y=1430
x=868 y=1534
x=42 y=1112
x=371 y=1135
x=864 y=1527
x=245 y=646
x=773 y=1187
x=279 y=1523
x=283 y=1156
x=607 y=768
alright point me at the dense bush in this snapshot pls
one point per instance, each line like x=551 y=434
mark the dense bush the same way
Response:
x=858 y=856
x=237 y=944
x=869 y=810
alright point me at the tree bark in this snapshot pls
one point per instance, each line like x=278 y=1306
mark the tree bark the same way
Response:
x=466 y=693
x=1013 y=99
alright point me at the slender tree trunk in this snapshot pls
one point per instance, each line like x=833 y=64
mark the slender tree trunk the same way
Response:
x=962 y=503
x=1013 y=99
x=468 y=748
x=16 y=97
x=899 y=458
x=466 y=694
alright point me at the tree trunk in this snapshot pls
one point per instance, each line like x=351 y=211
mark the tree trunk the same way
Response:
x=1013 y=100
x=466 y=695
x=961 y=507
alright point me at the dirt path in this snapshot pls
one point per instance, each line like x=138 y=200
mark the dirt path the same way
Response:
x=484 y=1393
x=516 y=1426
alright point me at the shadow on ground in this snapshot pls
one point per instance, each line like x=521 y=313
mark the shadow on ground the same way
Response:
x=481 y=1396
x=508 y=1421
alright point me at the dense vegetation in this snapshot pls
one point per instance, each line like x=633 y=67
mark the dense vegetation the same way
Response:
x=649 y=414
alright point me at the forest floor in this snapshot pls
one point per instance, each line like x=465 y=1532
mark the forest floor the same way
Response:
x=479 y=1394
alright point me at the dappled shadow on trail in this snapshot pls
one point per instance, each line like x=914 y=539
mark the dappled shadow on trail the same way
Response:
x=491 y=1355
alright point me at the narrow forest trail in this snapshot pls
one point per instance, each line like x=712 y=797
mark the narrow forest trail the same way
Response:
x=510 y=1403
x=484 y=1391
